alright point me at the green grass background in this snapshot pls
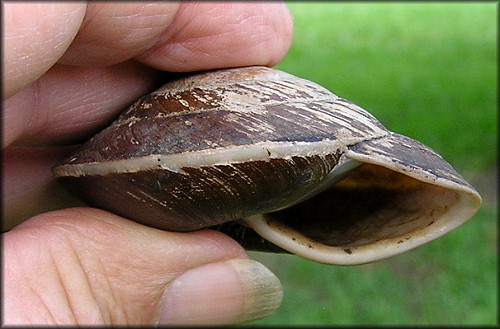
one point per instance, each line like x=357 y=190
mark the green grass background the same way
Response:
x=428 y=71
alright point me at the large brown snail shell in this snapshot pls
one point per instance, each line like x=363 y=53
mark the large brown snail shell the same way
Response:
x=256 y=150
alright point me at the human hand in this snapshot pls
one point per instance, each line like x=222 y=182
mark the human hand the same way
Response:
x=87 y=266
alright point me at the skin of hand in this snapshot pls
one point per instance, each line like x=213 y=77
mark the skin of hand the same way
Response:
x=69 y=69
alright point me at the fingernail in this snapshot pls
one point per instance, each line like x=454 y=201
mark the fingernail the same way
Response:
x=262 y=289
x=228 y=292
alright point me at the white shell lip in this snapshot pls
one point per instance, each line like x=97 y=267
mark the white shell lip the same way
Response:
x=296 y=243
x=393 y=152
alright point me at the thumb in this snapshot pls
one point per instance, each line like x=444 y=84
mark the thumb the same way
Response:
x=87 y=266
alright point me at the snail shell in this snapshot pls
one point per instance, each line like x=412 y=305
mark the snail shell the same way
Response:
x=277 y=162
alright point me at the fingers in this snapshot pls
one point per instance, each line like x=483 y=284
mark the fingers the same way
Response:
x=217 y=35
x=34 y=37
x=189 y=37
x=97 y=267
x=116 y=31
x=101 y=269
x=69 y=103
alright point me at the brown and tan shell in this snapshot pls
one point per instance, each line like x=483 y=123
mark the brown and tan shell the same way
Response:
x=275 y=161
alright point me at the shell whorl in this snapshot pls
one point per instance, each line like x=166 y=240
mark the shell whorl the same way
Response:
x=312 y=173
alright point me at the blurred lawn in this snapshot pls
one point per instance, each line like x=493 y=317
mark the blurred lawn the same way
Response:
x=428 y=71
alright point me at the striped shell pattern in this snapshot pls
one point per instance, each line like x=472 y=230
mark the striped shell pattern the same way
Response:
x=277 y=162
